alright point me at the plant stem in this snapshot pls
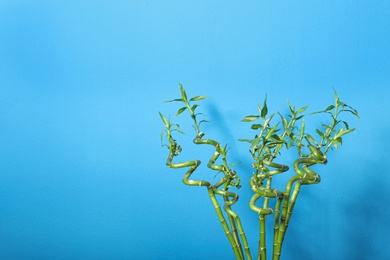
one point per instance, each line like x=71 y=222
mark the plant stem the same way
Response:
x=227 y=179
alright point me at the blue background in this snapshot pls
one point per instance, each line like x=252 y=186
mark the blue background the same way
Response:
x=83 y=172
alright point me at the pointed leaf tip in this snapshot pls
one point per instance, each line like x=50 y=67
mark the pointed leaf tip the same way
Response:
x=250 y=118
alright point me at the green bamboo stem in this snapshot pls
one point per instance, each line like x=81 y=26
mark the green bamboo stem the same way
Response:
x=174 y=151
x=277 y=219
x=282 y=226
x=229 y=177
x=267 y=192
x=233 y=227
x=262 y=249
x=232 y=217
x=265 y=146
x=304 y=176
x=237 y=221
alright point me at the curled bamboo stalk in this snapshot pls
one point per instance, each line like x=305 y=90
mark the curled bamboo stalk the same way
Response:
x=264 y=148
x=304 y=176
x=193 y=165
x=256 y=183
x=230 y=179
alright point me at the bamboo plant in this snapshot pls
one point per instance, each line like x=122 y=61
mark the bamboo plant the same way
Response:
x=266 y=146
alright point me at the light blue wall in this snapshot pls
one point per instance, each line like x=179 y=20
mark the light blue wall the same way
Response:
x=82 y=169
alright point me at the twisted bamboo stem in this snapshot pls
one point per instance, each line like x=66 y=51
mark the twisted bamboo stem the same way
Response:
x=193 y=165
x=227 y=181
x=267 y=192
x=304 y=176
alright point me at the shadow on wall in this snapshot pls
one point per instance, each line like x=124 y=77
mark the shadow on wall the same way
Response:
x=355 y=226
x=220 y=124
x=367 y=233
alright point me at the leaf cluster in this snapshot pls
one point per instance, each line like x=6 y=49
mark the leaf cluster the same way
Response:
x=189 y=106
x=270 y=139
x=331 y=134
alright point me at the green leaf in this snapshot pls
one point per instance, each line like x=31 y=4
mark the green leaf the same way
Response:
x=302 y=109
x=162 y=134
x=255 y=141
x=197 y=98
x=266 y=122
x=245 y=140
x=256 y=126
x=166 y=122
x=310 y=139
x=264 y=110
x=302 y=132
x=342 y=104
x=353 y=112
x=250 y=118
x=342 y=132
x=179 y=131
x=194 y=107
x=202 y=121
x=328 y=131
x=291 y=109
x=320 y=133
x=183 y=94
x=174 y=100
x=270 y=132
x=181 y=110
x=336 y=97
x=329 y=108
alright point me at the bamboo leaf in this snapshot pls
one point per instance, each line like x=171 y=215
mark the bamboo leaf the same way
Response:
x=329 y=108
x=183 y=94
x=310 y=138
x=353 y=112
x=320 y=133
x=291 y=109
x=264 y=110
x=255 y=141
x=285 y=124
x=194 y=107
x=342 y=132
x=166 y=122
x=179 y=131
x=162 y=134
x=270 y=132
x=277 y=138
x=328 y=131
x=181 y=110
x=245 y=140
x=301 y=110
x=336 y=97
x=342 y=104
x=197 y=98
x=256 y=126
x=250 y=118
x=202 y=121
x=266 y=122
x=302 y=132
x=173 y=100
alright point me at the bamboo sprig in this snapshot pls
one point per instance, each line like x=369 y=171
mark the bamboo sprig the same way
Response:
x=304 y=176
x=230 y=178
x=330 y=139
x=265 y=147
